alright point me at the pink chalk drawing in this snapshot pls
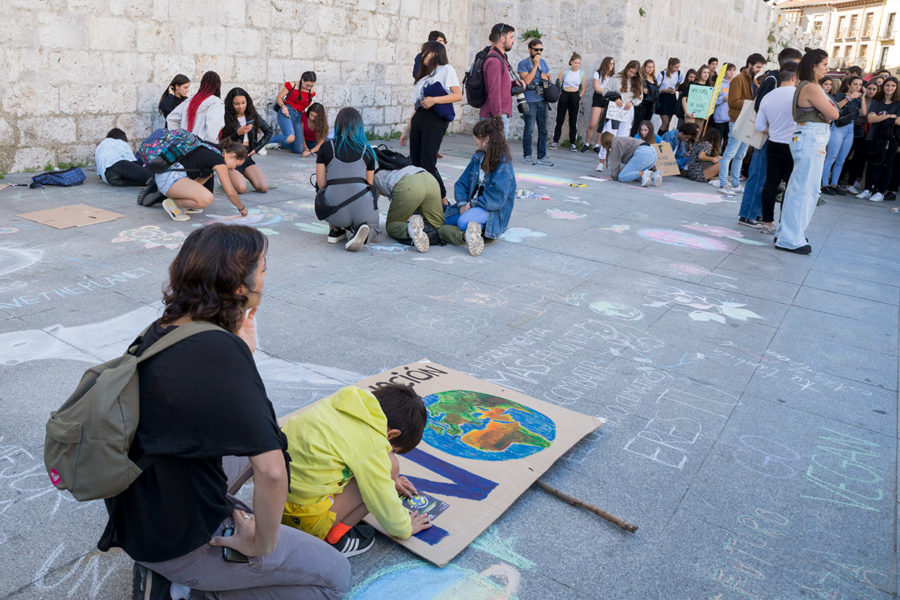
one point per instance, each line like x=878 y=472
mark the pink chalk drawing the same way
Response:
x=567 y=215
x=697 y=198
x=683 y=239
x=152 y=236
x=54 y=477
x=723 y=232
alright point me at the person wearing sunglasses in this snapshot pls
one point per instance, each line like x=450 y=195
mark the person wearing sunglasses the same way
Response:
x=535 y=74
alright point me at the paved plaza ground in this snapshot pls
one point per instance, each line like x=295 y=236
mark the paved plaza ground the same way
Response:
x=750 y=395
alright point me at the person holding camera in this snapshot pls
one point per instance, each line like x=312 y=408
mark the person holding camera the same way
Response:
x=534 y=73
x=498 y=76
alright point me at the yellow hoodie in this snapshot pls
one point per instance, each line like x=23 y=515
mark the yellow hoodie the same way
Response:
x=341 y=437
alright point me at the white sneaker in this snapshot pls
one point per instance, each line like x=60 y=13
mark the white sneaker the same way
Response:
x=714 y=182
x=415 y=227
x=359 y=238
x=474 y=241
x=174 y=211
x=192 y=211
x=601 y=166
x=737 y=189
x=727 y=191
x=864 y=195
x=854 y=189
x=262 y=151
x=877 y=197
x=657 y=178
x=271 y=146
x=646 y=178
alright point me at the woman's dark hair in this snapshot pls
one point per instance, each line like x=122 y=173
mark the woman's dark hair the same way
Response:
x=238 y=149
x=405 y=411
x=845 y=86
x=826 y=78
x=176 y=81
x=210 y=85
x=320 y=125
x=670 y=66
x=651 y=131
x=231 y=118
x=637 y=82
x=689 y=129
x=806 y=70
x=715 y=139
x=880 y=95
x=349 y=131
x=117 y=134
x=497 y=148
x=607 y=67
x=208 y=272
x=439 y=53
x=308 y=76
x=685 y=86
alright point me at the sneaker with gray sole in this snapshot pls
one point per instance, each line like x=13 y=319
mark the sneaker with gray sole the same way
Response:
x=474 y=240
x=545 y=161
x=415 y=227
x=358 y=240
x=528 y=160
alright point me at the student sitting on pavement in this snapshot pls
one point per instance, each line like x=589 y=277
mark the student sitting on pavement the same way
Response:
x=705 y=155
x=243 y=125
x=345 y=169
x=647 y=132
x=411 y=190
x=682 y=140
x=343 y=465
x=630 y=159
x=485 y=193
x=116 y=164
x=185 y=188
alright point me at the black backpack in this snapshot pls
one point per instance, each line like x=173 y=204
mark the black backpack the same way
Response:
x=476 y=95
x=390 y=160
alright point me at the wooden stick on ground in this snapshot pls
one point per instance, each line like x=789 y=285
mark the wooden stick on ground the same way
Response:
x=582 y=504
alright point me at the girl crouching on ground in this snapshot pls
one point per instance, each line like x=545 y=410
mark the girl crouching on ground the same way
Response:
x=485 y=192
x=315 y=128
x=244 y=126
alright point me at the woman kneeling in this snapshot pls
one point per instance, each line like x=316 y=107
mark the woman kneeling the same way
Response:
x=187 y=186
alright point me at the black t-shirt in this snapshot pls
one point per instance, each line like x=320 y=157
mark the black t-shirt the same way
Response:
x=201 y=399
x=169 y=103
x=200 y=162
x=881 y=131
x=345 y=153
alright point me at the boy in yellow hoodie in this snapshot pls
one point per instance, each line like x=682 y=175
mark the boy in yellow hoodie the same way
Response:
x=343 y=465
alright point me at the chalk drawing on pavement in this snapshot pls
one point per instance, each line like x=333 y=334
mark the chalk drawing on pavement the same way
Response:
x=618 y=310
x=517 y=235
x=672 y=237
x=565 y=215
x=13 y=260
x=706 y=307
x=152 y=236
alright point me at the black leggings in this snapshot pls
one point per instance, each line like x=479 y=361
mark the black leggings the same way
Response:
x=426 y=132
x=779 y=165
x=882 y=163
x=859 y=157
x=127 y=172
x=568 y=103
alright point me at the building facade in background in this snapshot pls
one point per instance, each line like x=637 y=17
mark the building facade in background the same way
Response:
x=854 y=32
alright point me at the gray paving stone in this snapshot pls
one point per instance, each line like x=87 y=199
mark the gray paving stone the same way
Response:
x=879 y=292
x=872 y=334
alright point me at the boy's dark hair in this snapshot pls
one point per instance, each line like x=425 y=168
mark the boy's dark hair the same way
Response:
x=788 y=72
x=117 y=134
x=712 y=59
x=789 y=55
x=534 y=42
x=755 y=58
x=435 y=35
x=405 y=411
x=689 y=129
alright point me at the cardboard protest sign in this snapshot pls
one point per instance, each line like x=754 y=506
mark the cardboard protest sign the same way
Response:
x=665 y=160
x=483 y=446
x=615 y=113
x=74 y=215
x=698 y=101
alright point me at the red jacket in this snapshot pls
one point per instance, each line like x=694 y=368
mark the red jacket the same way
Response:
x=497 y=85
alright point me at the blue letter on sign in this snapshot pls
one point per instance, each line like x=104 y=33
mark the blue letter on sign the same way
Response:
x=465 y=483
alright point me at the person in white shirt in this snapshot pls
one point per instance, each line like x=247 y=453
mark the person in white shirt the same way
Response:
x=437 y=86
x=598 y=102
x=203 y=114
x=775 y=117
x=668 y=81
x=116 y=164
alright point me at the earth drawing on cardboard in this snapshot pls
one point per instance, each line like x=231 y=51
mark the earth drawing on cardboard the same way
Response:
x=482 y=426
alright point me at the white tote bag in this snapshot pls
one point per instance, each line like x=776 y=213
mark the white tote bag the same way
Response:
x=745 y=127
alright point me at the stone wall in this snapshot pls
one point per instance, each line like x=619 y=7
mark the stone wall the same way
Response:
x=73 y=69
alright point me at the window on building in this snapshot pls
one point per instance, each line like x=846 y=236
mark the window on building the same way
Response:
x=863 y=51
x=854 y=21
x=817 y=28
x=867 y=25
x=840 y=28
x=848 y=51
x=889 y=27
x=884 y=57
x=837 y=53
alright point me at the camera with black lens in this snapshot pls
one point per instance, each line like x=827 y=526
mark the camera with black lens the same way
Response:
x=518 y=94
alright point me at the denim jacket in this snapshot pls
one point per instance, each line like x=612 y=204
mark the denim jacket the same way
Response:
x=497 y=198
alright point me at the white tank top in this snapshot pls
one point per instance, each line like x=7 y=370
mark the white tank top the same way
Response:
x=572 y=79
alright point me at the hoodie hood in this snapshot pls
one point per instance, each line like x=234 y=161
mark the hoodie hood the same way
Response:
x=361 y=405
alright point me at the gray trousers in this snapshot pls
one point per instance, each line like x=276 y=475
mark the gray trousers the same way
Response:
x=301 y=567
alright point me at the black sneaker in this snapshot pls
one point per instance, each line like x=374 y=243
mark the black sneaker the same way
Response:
x=801 y=250
x=336 y=234
x=748 y=222
x=356 y=541
x=150 y=195
x=148 y=585
x=890 y=196
x=585 y=148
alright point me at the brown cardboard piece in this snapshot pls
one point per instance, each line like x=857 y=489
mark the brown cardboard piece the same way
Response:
x=511 y=470
x=73 y=215
x=665 y=160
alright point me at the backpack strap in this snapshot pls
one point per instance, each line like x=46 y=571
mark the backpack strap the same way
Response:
x=181 y=333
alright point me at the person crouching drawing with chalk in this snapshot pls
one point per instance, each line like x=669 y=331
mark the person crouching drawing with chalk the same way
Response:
x=344 y=465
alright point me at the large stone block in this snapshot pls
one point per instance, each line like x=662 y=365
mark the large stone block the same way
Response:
x=81 y=99
x=242 y=41
x=278 y=43
x=136 y=126
x=230 y=12
x=155 y=36
x=166 y=66
x=306 y=47
x=110 y=33
x=90 y=7
x=248 y=71
x=62 y=32
x=203 y=39
x=25 y=64
x=76 y=153
x=261 y=14
x=30 y=99
x=93 y=128
x=32 y=158
x=221 y=64
x=7 y=135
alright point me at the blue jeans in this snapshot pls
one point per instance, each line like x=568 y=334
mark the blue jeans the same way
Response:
x=682 y=162
x=839 y=146
x=290 y=126
x=473 y=215
x=751 y=203
x=643 y=158
x=808 y=149
x=537 y=111
x=734 y=156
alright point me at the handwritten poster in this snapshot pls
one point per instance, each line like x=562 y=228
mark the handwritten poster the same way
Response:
x=698 y=102
x=616 y=113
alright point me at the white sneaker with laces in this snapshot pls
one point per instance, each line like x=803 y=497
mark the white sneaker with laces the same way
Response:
x=174 y=211
x=601 y=166
x=864 y=195
x=727 y=191
x=854 y=189
x=877 y=197
x=714 y=182
x=657 y=178
x=646 y=178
